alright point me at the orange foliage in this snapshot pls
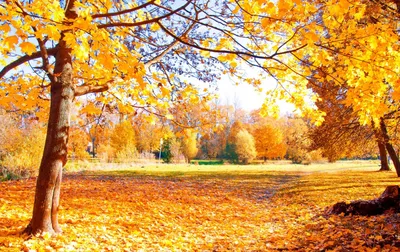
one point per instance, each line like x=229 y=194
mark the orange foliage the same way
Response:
x=77 y=143
x=270 y=141
x=268 y=212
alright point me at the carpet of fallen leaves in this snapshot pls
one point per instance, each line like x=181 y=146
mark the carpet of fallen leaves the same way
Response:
x=263 y=211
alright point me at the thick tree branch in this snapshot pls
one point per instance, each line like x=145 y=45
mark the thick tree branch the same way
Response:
x=86 y=89
x=24 y=59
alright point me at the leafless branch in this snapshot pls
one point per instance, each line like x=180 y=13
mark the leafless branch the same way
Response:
x=112 y=14
x=24 y=59
x=145 y=22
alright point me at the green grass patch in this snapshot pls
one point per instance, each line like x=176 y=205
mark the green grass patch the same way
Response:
x=207 y=162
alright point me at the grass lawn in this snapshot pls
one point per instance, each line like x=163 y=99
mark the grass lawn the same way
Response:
x=270 y=207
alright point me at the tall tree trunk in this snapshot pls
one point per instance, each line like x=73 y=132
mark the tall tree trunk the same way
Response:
x=382 y=150
x=383 y=157
x=389 y=147
x=48 y=184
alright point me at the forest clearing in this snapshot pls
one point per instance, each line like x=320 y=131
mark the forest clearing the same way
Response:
x=270 y=207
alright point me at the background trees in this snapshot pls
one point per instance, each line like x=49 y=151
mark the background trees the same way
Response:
x=123 y=140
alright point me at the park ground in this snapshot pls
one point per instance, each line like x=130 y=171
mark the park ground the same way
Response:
x=271 y=207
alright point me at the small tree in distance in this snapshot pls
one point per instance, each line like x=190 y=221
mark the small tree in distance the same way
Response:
x=189 y=145
x=245 y=146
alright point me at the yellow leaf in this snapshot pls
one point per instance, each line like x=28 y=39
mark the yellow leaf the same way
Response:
x=28 y=48
x=154 y=27
x=205 y=53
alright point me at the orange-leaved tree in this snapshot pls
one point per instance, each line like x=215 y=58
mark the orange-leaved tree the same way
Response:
x=132 y=55
x=269 y=136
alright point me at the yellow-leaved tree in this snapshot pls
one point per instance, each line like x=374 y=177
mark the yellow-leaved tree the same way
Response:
x=269 y=136
x=131 y=55
x=245 y=146
x=189 y=144
x=353 y=49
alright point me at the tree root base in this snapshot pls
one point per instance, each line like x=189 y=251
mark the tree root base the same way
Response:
x=388 y=201
x=29 y=231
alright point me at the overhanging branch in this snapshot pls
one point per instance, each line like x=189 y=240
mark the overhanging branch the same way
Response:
x=24 y=59
x=145 y=22
x=185 y=42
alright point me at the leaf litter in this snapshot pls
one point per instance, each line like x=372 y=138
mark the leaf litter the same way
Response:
x=270 y=211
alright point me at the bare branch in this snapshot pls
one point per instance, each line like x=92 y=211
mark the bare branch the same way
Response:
x=227 y=51
x=112 y=14
x=24 y=59
x=169 y=48
x=149 y=21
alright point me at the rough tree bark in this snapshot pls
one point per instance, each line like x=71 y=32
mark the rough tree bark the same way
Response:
x=382 y=150
x=383 y=157
x=47 y=194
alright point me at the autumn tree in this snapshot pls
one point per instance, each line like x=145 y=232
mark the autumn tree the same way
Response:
x=171 y=150
x=358 y=68
x=147 y=135
x=365 y=63
x=22 y=140
x=78 y=143
x=189 y=144
x=269 y=136
x=341 y=135
x=230 y=147
x=297 y=140
x=214 y=139
x=245 y=146
x=123 y=141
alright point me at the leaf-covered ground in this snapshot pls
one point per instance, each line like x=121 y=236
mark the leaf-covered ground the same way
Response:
x=246 y=211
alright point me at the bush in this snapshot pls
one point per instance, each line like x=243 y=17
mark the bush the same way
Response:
x=126 y=154
x=22 y=154
x=106 y=153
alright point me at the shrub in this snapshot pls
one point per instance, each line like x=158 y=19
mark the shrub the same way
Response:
x=22 y=154
x=106 y=153
x=126 y=154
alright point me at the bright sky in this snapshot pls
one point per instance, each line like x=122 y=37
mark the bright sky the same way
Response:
x=245 y=96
